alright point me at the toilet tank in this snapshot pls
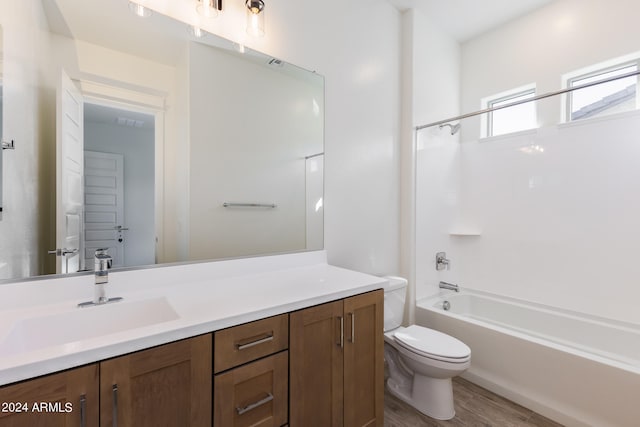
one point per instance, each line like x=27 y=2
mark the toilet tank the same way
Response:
x=394 y=296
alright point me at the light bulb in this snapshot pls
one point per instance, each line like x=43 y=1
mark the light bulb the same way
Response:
x=207 y=8
x=255 y=17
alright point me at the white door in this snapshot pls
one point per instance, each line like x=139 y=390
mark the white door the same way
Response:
x=104 y=205
x=69 y=175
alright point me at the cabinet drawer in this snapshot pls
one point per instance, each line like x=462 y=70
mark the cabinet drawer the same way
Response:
x=255 y=394
x=251 y=341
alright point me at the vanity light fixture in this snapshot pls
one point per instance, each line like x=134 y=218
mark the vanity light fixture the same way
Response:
x=209 y=8
x=255 y=17
x=139 y=10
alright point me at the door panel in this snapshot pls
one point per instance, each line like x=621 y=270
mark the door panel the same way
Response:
x=104 y=205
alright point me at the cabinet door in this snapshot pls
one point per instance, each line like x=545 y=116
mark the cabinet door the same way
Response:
x=169 y=385
x=253 y=395
x=66 y=399
x=315 y=366
x=364 y=360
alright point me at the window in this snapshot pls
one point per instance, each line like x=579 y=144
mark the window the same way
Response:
x=605 y=98
x=510 y=119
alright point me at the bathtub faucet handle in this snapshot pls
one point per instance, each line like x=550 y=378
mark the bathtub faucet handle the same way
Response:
x=442 y=262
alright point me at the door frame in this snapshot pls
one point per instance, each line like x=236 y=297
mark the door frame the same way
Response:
x=114 y=96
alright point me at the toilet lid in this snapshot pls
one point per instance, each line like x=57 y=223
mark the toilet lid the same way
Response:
x=429 y=342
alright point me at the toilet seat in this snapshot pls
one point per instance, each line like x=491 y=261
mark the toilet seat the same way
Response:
x=432 y=344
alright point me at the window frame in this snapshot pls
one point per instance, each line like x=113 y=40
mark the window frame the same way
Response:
x=490 y=101
x=594 y=71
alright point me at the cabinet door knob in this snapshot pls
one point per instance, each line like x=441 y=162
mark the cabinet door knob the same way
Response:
x=341 y=343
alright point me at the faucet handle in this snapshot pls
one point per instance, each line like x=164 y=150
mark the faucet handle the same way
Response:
x=442 y=261
x=103 y=260
x=102 y=253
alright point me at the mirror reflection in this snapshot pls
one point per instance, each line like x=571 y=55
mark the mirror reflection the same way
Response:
x=164 y=148
x=1 y=113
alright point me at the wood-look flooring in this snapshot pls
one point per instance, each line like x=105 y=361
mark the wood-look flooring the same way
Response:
x=475 y=407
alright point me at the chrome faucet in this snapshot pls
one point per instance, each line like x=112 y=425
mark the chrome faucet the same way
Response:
x=442 y=262
x=450 y=286
x=102 y=264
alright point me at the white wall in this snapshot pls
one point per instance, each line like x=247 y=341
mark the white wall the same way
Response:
x=249 y=153
x=564 y=36
x=355 y=45
x=25 y=170
x=137 y=148
x=176 y=209
x=557 y=215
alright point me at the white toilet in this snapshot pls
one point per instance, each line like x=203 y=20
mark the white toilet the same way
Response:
x=421 y=361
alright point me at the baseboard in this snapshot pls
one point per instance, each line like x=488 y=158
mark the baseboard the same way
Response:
x=525 y=400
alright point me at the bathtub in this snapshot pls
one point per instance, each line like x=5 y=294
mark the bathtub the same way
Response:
x=576 y=369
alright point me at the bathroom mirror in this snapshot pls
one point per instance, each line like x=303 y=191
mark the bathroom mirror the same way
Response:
x=1 y=115
x=193 y=148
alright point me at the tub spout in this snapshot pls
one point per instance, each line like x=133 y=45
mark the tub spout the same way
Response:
x=450 y=286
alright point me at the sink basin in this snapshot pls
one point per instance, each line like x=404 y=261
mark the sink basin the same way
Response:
x=83 y=323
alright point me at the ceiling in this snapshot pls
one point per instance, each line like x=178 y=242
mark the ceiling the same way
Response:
x=110 y=24
x=94 y=113
x=466 y=19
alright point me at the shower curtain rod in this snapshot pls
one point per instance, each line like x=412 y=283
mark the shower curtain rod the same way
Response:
x=523 y=101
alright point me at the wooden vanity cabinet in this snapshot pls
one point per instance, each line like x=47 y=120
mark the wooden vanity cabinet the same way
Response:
x=169 y=385
x=321 y=366
x=65 y=399
x=337 y=363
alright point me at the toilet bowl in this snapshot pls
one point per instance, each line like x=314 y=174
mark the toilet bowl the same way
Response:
x=421 y=361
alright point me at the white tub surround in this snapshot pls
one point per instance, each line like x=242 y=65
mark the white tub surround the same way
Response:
x=42 y=330
x=577 y=369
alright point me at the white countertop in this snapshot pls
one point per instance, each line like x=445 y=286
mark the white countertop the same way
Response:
x=40 y=323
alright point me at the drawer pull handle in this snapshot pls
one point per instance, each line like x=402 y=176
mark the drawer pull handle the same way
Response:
x=251 y=406
x=252 y=343
x=353 y=327
x=83 y=409
x=114 y=394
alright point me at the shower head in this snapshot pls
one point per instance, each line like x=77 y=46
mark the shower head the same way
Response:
x=454 y=128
